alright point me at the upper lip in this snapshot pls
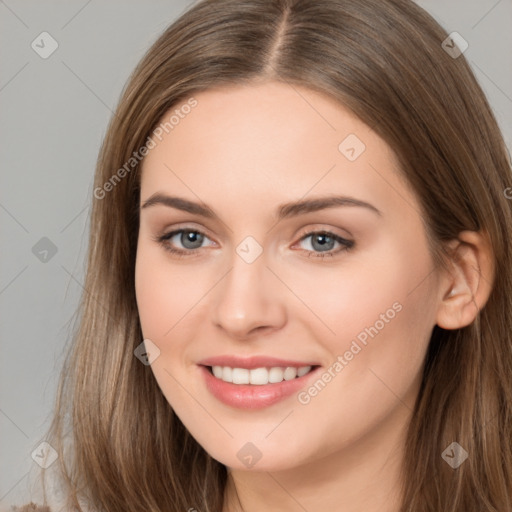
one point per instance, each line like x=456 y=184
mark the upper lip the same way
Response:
x=252 y=362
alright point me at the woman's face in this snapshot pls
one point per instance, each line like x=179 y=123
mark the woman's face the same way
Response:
x=272 y=266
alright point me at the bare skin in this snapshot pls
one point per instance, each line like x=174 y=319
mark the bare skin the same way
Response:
x=245 y=150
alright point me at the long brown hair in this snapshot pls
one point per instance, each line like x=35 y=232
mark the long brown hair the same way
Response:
x=384 y=60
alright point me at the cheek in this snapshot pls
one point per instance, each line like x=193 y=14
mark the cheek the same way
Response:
x=377 y=370
x=375 y=310
x=164 y=292
x=166 y=300
x=382 y=332
x=340 y=300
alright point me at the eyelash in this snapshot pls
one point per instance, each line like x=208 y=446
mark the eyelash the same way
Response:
x=347 y=245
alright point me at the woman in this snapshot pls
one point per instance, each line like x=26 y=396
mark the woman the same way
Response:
x=337 y=335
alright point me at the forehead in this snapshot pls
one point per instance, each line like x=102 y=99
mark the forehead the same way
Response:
x=271 y=140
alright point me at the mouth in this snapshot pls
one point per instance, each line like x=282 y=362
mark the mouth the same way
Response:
x=258 y=387
x=259 y=376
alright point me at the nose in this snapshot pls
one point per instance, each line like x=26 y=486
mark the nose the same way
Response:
x=249 y=300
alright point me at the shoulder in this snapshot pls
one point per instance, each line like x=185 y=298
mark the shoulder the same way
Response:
x=34 y=497
x=30 y=507
x=48 y=496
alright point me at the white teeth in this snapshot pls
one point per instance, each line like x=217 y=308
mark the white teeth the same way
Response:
x=240 y=376
x=227 y=374
x=259 y=376
x=303 y=370
x=290 y=373
x=275 y=375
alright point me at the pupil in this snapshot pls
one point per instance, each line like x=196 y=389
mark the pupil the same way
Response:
x=323 y=240
x=193 y=237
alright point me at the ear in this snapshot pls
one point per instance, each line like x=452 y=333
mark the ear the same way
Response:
x=465 y=290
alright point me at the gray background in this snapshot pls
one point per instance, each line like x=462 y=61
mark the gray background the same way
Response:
x=54 y=114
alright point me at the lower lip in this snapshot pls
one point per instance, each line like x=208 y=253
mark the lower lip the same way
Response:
x=252 y=396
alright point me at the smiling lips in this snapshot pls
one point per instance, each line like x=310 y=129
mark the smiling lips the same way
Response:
x=254 y=382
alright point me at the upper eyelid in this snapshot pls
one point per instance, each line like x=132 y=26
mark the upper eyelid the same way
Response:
x=169 y=233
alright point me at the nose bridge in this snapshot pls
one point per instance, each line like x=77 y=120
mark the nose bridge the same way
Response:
x=246 y=298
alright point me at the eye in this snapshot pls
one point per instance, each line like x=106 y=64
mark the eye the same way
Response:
x=322 y=243
x=189 y=239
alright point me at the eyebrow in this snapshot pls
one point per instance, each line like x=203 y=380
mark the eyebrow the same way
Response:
x=283 y=211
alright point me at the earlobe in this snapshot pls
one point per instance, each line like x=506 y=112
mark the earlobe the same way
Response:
x=466 y=289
